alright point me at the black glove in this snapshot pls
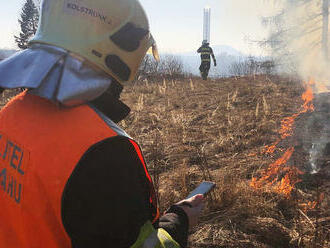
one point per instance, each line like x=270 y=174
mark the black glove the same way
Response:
x=215 y=63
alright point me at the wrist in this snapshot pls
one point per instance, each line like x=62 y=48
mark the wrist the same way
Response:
x=181 y=212
x=178 y=210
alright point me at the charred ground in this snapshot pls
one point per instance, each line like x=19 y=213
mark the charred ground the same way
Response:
x=191 y=130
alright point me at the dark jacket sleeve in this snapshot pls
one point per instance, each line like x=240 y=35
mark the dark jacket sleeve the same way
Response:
x=175 y=222
x=212 y=54
x=106 y=199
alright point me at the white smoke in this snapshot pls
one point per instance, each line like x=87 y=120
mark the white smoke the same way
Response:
x=296 y=40
x=296 y=44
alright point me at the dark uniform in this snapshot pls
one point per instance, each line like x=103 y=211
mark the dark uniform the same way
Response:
x=206 y=52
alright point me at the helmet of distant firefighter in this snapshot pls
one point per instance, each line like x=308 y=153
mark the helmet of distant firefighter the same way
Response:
x=205 y=43
x=110 y=35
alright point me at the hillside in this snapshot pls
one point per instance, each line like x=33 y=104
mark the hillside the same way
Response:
x=219 y=130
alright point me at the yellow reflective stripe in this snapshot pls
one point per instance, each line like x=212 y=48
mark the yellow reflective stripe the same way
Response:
x=145 y=232
x=151 y=238
x=206 y=60
x=160 y=239
x=203 y=53
x=166 y=240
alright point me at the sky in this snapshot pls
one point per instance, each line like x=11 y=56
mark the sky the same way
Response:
x=177 y=24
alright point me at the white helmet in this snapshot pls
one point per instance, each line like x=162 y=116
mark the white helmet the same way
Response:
x=112 y=35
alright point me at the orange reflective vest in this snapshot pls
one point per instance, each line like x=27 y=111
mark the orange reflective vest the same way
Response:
x=40 y=145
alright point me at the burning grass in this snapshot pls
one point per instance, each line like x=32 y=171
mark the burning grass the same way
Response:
x=217 y=130
x=290 y=177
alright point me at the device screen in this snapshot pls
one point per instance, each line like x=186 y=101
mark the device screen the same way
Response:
x=203 y=189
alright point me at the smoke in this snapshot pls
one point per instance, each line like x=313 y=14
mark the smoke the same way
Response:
x=296 y=40
x=314 y=154
x=296 y=35
x=317 y=134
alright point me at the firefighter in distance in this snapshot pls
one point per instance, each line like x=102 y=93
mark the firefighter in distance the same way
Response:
x=206 y=52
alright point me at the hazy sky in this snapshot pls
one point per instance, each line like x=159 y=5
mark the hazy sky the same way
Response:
x=177 y=24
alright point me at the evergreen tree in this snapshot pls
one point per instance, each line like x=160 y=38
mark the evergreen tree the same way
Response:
x=28 y=22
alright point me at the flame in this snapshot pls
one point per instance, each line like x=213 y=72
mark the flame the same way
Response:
x=309 y=205
x=286 y=126
x=288 y=122
x=271 y=148
x=308 y=98
x=279 y=177
x=270 y=176
x=306 y=206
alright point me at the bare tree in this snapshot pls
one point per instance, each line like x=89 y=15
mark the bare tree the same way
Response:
x=251 y=66
x=299 y=36
x=170 y=66
x=149 y=68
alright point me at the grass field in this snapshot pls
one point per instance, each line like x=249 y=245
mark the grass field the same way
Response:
x=193 y=130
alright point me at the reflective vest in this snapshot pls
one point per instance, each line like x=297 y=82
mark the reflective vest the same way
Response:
x=205 y=54
x=40 y=145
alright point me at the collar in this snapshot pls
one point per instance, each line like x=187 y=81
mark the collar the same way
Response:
x=57 y=75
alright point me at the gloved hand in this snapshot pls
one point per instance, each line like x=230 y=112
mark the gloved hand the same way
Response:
x=215 y=63
x=193 y=208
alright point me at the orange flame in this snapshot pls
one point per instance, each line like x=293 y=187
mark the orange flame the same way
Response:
x=309 y=205
x=278 y=177
x=271 y=148
x=308 y=97
x=288 y=122
x=306 y=206
x=270 y=176
x=286 y=126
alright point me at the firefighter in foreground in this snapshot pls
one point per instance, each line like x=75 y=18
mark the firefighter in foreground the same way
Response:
x=206 y=52
x=70 y=177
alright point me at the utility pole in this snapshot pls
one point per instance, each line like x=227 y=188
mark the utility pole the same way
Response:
x=325 y=29
x=207 y=24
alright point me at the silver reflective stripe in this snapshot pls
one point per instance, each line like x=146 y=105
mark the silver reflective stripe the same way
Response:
x=152 y=241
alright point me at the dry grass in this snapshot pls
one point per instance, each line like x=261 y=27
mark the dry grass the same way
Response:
x=194 y=130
